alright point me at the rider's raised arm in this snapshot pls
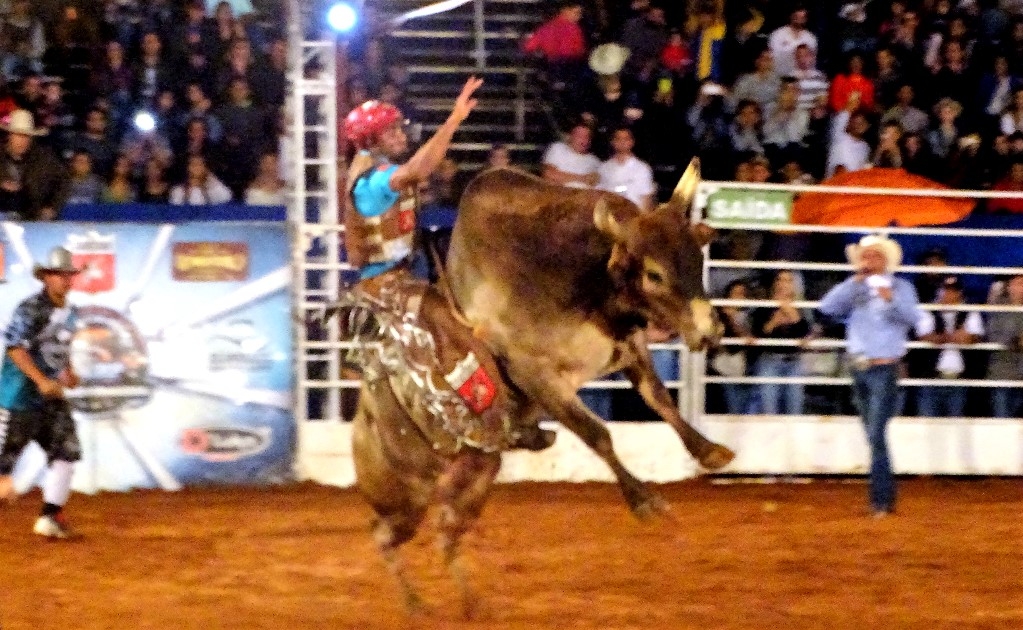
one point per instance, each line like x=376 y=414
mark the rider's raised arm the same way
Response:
x=429 y=156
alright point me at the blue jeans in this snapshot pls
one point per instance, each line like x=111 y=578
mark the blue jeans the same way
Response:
x=876 y=393
x=739 y=398
x=941 y=402
x=773 y=364
x=1005 y=402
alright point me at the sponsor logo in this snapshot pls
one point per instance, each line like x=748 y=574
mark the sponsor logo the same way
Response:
x=94 y=254
x=210 y=261
x=225 y=444
x=237 y=345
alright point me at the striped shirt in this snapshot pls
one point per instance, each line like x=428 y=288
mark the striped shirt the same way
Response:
x=812 y=85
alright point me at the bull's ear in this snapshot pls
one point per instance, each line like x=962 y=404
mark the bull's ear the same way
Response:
x=685 y=190
x=703 y=233
x=607 y=223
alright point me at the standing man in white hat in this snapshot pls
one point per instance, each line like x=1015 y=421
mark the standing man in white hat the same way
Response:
x=35 y=371
x=878 y=310
x=33 y=182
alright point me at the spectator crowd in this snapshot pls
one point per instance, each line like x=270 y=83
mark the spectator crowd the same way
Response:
x=790 y=92
x=155 y=101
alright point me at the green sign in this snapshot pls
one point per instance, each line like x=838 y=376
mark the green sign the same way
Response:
x=730 y=205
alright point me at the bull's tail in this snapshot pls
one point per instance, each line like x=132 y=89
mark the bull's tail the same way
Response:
x=444 y=286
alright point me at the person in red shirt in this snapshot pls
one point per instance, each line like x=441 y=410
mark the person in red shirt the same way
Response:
x=1013 y=181
x=852 y=82
x=561 y=44
x=559 y=39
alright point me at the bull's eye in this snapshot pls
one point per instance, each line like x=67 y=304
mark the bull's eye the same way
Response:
x=654 y=277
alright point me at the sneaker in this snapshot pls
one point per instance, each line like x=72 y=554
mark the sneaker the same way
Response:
x=52 y=527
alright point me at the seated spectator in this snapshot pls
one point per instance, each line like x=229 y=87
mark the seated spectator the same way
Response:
x=244 y=127
x=570 y=163
x=1013 y=182
x=906 y=41
x=119 y=187
x=781 y=322
x=266 y=189
x=888 y=153
x=852 y=86
x=30 y=94
x=813 y=84
x=910 y=118
x=154 y=187
x=33 y=182
x=139 y=146
x=200 y=187
x=70 y=57
x=114 y=81
x=499 y=156
x=153 y=71
x=193 y=42
x=944 y=136
x=784 y=41
x=785 y=125
x=22 y=41
x=854 y=32
x=627 y=175
x=226 y=28
x=196 y=142
x=940 y=328
x=1006 y=328
x=722 y=54
x=84 y=186
x=916 y=156
x=761 y=86
x=996 y=91
x=645 y=36
x=271 y=81
x=1012 y=116
x=730 y=360
x=95 y=141
x=953 y=79
x=887 y=80
x=54 y=114
x=199 y=105
x=746 y=130
x=848 y=151
x=438 y=190
x=560 y=43
x=709 y=123
x=237 y=64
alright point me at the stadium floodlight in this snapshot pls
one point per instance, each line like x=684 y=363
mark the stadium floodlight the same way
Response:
x=342 y=17
x=145 y=122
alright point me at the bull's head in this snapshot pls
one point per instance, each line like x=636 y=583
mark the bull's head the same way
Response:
x=657 y=258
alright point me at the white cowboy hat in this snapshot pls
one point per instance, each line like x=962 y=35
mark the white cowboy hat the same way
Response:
x=58 y=261
x=890 y=249
x=20 y=121
x=608 y=58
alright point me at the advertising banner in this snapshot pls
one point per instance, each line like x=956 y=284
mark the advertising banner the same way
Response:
x=183 y=346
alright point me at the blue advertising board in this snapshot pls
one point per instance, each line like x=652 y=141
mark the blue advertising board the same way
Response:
x=183 y=349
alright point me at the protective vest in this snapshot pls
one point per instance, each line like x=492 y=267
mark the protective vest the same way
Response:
x=386 y=238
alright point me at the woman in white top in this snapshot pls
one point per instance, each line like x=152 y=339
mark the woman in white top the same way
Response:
x=266 y=189
x=1012 y=119
x=200 y=188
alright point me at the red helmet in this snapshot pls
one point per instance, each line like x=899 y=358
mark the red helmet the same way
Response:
x=367 y=121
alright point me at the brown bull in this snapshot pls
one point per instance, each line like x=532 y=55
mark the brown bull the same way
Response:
x=562 y=283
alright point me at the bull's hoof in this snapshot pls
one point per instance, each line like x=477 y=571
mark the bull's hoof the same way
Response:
x=533 y=439
x=645 y=504
x=717 y=456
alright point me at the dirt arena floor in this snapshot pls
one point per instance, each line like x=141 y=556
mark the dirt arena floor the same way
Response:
x=751 y=556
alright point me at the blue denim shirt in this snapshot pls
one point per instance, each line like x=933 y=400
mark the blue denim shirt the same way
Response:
x=45 y=331
x=875 y=328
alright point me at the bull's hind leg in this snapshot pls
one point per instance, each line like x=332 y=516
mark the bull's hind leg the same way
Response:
x=461 y=492
x=390 y=532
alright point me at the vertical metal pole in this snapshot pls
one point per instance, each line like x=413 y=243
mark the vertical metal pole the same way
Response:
x=520 y=104
x=479 y=32
x=296 y=213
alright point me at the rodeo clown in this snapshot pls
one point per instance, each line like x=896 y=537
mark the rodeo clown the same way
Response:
x=36 y=370
x=443 y=375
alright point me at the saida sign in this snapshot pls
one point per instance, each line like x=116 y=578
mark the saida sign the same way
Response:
x=750 y=206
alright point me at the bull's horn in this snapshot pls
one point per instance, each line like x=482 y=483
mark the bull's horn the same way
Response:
x=607 y=223
x=686 y=188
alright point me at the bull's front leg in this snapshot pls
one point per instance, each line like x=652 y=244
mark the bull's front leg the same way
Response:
x=643 y=376
x=551 y=391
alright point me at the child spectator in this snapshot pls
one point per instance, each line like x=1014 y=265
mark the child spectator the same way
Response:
x=84 y=185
